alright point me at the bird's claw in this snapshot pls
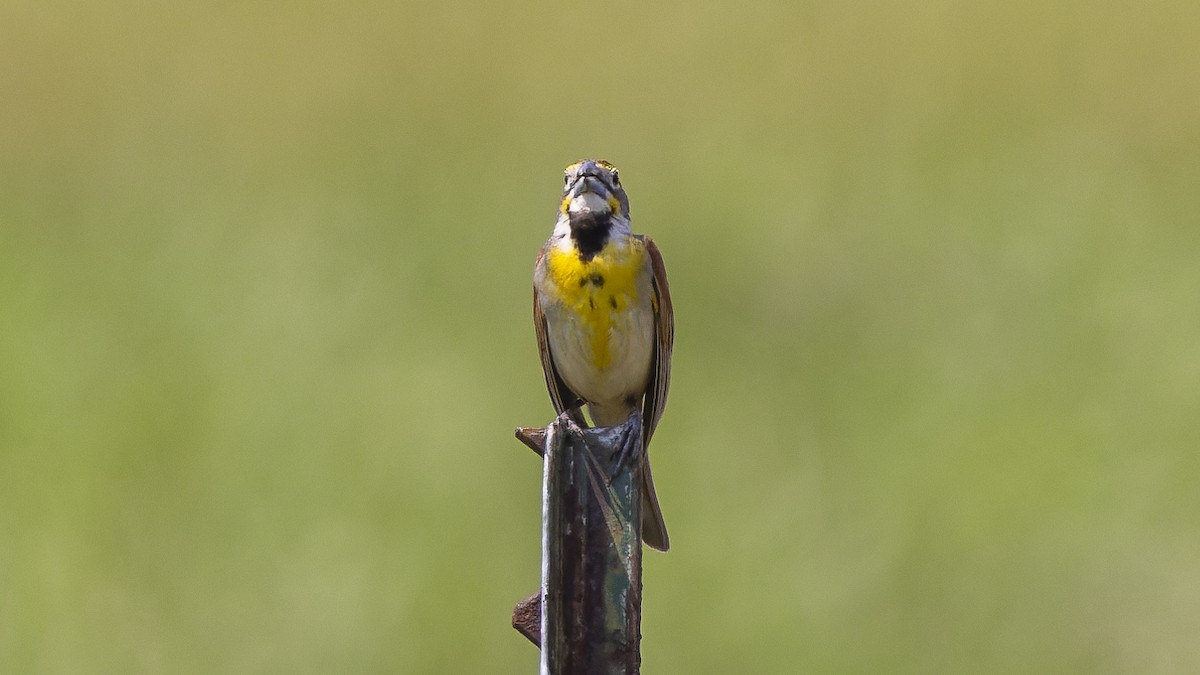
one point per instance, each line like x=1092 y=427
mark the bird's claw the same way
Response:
x=630 y=445
x=567 y=418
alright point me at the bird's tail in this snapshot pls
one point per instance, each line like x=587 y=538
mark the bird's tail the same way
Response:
x=654 y=530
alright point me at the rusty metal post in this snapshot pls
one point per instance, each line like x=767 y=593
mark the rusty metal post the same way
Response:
x=590 y=601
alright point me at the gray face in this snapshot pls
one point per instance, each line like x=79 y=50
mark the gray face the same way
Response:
x=593 y=186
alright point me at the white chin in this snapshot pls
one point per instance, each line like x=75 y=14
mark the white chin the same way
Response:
x=588 y=202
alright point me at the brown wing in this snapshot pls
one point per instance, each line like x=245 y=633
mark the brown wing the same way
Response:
x=560 y=394
x=654 y=528
x=664 y=314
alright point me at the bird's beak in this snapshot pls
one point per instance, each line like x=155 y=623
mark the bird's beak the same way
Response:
x=588 y=194
x=586 y=184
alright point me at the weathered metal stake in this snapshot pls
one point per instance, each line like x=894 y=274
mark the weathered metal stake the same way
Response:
x=591 y=597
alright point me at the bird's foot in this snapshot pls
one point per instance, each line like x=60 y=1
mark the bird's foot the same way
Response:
x=630 y=445
x=568 y=419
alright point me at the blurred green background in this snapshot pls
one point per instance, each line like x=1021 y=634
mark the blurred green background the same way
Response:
x=265 y=330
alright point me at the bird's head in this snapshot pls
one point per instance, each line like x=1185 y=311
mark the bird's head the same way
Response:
x=592 y=190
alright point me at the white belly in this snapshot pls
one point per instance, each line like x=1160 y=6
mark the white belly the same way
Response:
x=605 y=361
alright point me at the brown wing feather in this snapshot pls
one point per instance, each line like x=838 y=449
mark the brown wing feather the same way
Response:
x=561 y=395
x=664 y=313
x=654 y=529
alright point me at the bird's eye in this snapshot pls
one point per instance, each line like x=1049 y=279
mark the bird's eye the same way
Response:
x=567 y=180
x=616 y=180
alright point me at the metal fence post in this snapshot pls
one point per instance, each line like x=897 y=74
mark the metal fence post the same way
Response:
x=589 y=607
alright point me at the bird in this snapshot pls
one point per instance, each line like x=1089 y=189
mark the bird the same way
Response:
x=604 y=319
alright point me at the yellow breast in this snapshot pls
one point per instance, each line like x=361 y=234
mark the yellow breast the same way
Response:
x=598 y=290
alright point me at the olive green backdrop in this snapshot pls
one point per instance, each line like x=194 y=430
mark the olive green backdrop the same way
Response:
x=265 y=330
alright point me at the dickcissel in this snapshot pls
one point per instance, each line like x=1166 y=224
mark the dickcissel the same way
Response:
x=603 y=316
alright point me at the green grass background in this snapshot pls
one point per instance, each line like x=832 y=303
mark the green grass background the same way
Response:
x=265 y=330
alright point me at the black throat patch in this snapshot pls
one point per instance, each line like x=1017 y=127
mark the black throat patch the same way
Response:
x=590 y=232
